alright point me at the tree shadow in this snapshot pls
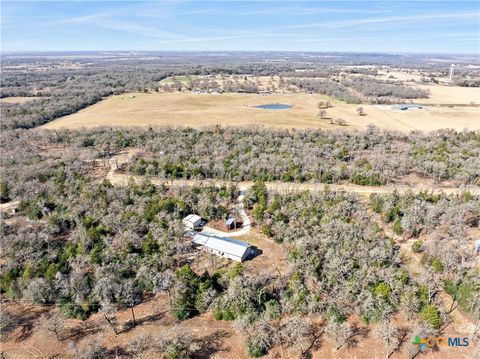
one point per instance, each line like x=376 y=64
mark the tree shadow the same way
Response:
x=210 y=345
x=86 y=328
x=118 y=352
x=24 y=320
x=315 y=342
x=357 y=331
x=129 y=325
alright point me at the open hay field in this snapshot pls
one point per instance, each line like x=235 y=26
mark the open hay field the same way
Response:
x=440 y=94
x=18 y=99
x=186 y=109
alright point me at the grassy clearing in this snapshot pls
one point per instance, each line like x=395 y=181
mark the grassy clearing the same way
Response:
x=186 y=109
x=173 y=79
x=18 y=99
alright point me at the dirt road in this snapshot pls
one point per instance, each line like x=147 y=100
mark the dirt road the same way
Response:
x=122 y=179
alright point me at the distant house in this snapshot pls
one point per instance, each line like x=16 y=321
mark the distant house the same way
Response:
x=192 y=221
x=404 y=107
x=224 y=247
x=230 y=223
x=477 y=245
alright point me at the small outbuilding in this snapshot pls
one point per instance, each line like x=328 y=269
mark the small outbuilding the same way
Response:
x=404 y=107
x=477 y=246
x=230 y=223
x=224 y=247
x=192 y=221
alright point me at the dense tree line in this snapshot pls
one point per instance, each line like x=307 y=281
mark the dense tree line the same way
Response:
x=383 y=91
x=358 y=89
x=365 y=158
x=326 y=87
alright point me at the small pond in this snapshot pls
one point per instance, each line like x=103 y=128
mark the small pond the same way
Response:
x=274 y=106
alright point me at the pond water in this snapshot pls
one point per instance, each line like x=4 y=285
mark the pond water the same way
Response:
x=274 y=106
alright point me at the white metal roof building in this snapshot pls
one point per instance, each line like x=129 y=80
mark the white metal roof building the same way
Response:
x=223 y=246
x=192 y=221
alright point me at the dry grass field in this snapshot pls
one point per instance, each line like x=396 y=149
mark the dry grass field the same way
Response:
x=186 y=109
x=17 y=99
x=450 y=95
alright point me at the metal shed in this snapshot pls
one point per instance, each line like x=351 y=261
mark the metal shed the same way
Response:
x=224 y=247
x=192 y=221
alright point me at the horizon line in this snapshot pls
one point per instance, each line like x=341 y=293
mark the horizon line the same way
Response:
x=245 y=51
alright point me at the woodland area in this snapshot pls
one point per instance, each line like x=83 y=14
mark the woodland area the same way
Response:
x=371 y=158
x=86 y=247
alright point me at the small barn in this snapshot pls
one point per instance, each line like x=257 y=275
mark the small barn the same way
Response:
x=192 y=221
x=405 y=107
x=224 y=247
x=230 y=223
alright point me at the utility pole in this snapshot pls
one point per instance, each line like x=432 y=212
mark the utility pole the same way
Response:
x=450 y=75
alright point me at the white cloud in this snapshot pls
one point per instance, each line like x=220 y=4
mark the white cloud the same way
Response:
x=386 y=20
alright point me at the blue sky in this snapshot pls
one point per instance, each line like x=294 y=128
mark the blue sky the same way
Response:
x=364 y=26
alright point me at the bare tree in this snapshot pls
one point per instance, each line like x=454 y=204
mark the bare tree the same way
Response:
x=92 y=349
x=360 y=111
x=140 y=344
x=322 y=114
x=295 y=333
x=390 y=334
x=109 y=310
x=131 y=296
x=164 y=282
x=52 y=322
x=339 y=332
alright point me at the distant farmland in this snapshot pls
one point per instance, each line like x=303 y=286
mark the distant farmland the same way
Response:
x=196 y=110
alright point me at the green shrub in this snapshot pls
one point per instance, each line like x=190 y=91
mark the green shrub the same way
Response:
x=220 y=313
x=397 y=227
x=431 y=315
x=258 y=212
x=382 y=290
x=273 y=309
x=4 y=192
x=437 y=265
x=72 y=310
x=235 y=271
x=255 y=348
x=335 y=315
x=177 y=351
x=265 y=229
x=417 y=246
x=184 y=303
x=376 y=202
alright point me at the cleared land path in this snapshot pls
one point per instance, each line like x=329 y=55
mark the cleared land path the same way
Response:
x=122 y=179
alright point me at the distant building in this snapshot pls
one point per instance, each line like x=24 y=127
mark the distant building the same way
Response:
x=230 y=223
x=477 y=245
x=224 y=247
x=404 y=107
x=192 y=221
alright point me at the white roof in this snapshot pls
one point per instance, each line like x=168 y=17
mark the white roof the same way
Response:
x=222 y=244
x=192 y=218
